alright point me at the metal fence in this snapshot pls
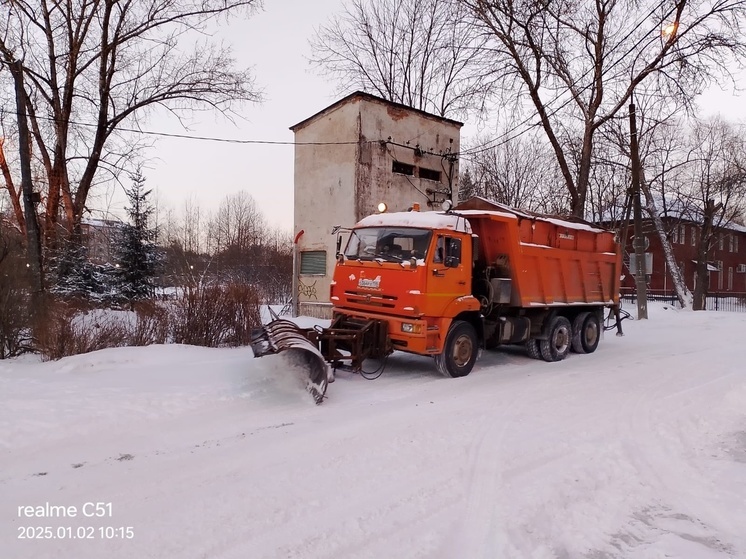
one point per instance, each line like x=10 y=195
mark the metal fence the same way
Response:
x=718 y=301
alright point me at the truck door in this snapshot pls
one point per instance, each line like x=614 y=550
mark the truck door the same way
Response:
x=449 y=273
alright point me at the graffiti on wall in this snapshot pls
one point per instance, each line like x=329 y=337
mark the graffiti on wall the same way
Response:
x=307 y=291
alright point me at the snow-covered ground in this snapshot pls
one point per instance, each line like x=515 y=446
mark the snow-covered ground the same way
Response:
x=638 y=450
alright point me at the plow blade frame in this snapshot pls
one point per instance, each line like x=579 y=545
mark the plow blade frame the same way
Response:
x=354 y=340
x=284 y=336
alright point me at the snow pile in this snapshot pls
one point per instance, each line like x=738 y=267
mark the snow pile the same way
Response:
x=638 y=450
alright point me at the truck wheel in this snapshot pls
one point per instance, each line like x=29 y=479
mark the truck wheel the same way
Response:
x=557 y=345
x=532 y=348
x=586 y=332
x=460 y=350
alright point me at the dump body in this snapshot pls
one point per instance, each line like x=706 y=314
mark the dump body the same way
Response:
x=548 y=261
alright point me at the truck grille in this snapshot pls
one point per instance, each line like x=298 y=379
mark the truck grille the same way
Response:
x=372 y=299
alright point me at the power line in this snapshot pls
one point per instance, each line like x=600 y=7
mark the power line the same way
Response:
x=205 y=138
x=229 y=140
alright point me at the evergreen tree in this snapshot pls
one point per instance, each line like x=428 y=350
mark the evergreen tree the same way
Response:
x=72 y=272
x=135 y=250
x=467 y=188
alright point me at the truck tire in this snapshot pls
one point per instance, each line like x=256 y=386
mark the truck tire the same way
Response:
x=586 y=332
x=532 y=348
x=459 y=351
x=557 y=345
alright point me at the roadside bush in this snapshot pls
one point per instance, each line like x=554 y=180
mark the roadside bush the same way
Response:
x=212 y=316
x=69 y=328
x=151 y=325
x=215 y=315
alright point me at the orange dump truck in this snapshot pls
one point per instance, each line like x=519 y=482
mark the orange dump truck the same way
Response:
x=445 y=284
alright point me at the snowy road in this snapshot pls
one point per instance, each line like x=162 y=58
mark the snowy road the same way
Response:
x=638 y=450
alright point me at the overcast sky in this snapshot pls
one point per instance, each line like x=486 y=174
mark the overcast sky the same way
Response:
x=275 y=43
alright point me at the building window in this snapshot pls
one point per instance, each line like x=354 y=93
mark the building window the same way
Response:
x=429 y=174
x=402 y=168
x=720 y=242
x=694 y=236
x=730 y=278
x=313 y=263
x=735 y=243
x=732 y=243
x=682 y=234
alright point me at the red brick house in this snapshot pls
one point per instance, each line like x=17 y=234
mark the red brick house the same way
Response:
x=726 y=260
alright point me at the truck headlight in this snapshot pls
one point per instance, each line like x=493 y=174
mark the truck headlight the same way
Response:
x=410 y=328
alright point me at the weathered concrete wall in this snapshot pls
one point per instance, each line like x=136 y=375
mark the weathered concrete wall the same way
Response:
x=376 y=181
x=324 y=186
x=315 y=310
x=340 y=184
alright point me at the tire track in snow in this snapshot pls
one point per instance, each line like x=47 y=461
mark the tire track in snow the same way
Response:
x=672 y=519
x=478 y=530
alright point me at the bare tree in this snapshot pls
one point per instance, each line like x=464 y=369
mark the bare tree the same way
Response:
x=713 y=189
x=661 y=143
x=239 y=223
x=521 y=173
x=578 y=63
x=96 y=66
x=421 y=53
x=190 y=229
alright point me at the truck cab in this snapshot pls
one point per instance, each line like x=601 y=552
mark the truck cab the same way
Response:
x=413 y=272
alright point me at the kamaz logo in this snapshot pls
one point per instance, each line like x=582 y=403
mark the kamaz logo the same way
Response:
x=566 y=236
x=369 y=283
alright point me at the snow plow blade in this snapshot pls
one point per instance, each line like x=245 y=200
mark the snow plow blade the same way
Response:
x=284 y=336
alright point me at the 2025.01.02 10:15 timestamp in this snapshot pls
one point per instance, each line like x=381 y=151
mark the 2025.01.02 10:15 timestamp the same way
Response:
x=76 y=532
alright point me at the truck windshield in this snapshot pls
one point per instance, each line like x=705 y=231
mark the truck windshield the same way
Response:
x=393 y=244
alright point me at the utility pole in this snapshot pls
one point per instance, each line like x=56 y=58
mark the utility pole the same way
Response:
x=639 y=244
x=33 y=237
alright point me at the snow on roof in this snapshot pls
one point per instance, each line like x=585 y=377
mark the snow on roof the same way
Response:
x=515 y=215
x=468 y=213
x=572 y=225
x=675 y=208
x=479 y=205
x=428 y=220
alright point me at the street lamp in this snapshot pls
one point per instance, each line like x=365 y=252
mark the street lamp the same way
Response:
x=669 y=30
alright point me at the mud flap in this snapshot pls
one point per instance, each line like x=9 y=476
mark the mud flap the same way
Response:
x=284 y=336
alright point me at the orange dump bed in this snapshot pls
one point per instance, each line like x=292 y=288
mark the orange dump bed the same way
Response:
x=550 y=261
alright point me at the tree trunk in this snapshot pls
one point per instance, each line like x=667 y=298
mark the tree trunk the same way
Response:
x=679 y=284
x=700 y=290
x=15 y=196
x=33 y=238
